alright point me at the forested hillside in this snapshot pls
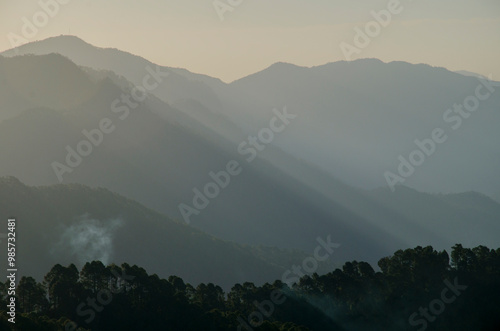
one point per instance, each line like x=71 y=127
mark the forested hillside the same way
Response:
x=415 y=289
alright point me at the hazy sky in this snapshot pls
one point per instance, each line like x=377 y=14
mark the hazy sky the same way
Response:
x=456 y=34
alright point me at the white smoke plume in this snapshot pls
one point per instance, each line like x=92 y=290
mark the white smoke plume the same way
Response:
x=86 y=240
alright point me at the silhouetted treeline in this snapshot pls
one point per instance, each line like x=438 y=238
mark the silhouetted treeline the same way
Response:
x=415 y=289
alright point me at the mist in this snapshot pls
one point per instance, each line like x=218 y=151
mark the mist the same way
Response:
x=86 y=239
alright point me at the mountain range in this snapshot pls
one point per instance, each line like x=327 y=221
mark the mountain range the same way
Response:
x=69 y=113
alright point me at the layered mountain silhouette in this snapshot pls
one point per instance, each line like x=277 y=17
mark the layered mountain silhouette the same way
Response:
x=158 y=151
x=72 y=223
x=364 y=114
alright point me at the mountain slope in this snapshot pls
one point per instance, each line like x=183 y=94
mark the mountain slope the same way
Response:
x=76 y=224
x=159 y=160
x=157 y=155
x=180 y=84
x=366 y=113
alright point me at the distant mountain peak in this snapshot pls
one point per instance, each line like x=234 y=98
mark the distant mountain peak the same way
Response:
x=68 y=39
x=283 y=65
